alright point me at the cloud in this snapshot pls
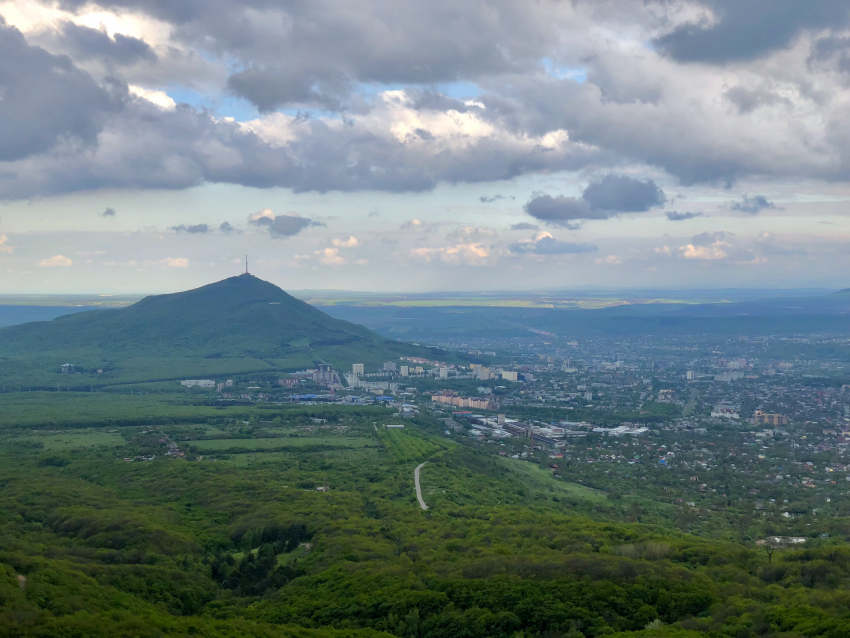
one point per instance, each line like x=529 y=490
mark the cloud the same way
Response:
x=470 y=254
x=715 y=247
x=768 y=245
x=159 y=98
x=226 y=227
x=544 y=244
x=610 y=196
x=704 y=253
x=466 y=234
x=109 y=212
x=285 y=225
x=673 y=216
x=489 y=199
x=752 y=205
x=170 y=262
x=609 y=260
x=748 y=100
x=622 y=194
x=413 y=224
x=4 y=246
x=57 y=261
x=346 y=243
x=196 y=229
x=737 y=31
x=831 y=49
x=84 y=108
x=84 y=43
x=330 y=257
x=706 y=238
x=524 y=226
x=46 y=100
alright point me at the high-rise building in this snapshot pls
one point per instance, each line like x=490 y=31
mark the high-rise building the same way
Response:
x=324 y=375
x=691 y=375
x=389 y=366
x=357 y=369
x=444 y=373
x=404 y=371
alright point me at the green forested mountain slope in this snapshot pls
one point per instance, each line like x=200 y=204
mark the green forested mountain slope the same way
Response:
x=91 y=545
x=249 y=323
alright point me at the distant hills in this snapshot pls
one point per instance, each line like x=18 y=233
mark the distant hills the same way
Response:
x=781 y=315
x=240 y=324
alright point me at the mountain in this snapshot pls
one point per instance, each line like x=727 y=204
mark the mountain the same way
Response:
x=239 y=324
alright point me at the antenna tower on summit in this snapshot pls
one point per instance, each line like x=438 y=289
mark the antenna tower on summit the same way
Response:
x=246 y=264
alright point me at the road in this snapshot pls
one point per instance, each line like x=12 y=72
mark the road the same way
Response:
x=418 y=487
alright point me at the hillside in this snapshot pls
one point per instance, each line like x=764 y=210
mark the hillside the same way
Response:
x=240 y=324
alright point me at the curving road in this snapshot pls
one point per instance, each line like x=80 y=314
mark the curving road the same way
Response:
x=419 y=487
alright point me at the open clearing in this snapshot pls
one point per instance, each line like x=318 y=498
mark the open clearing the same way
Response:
x=284 y=441
x=546 y=478
x=72 y=440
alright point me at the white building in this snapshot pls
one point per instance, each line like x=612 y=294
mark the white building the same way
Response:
x=198 y=383
x=357 y=369
x=404 y=371
x=721 y=412
x=509 y=376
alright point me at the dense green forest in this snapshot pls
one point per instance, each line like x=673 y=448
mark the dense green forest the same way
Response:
x=224 y=533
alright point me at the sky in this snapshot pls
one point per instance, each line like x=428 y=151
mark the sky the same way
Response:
x=393 y=145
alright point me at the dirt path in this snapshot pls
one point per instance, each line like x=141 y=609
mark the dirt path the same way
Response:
x=418 y=487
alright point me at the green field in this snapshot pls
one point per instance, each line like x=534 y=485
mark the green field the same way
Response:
x=545 y=479
x=408 y=445
x=283 y=442
x=70 y=440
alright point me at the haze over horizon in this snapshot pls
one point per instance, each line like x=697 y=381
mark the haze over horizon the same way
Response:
x=385 y=146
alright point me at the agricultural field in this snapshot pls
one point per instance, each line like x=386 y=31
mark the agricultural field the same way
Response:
x=406 y=446
x=212 y=445
x=70 y=439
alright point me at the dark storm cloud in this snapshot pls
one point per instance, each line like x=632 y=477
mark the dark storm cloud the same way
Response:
x=109 y=212
x=747 y=30
x=673 y=216
x=612 y=195
x=285 y=225
x=551 y=246
x=752 y=205
x=45 y=100
x=83 y=43
x=196 y=229
x=524 y=226
x=489 y=199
